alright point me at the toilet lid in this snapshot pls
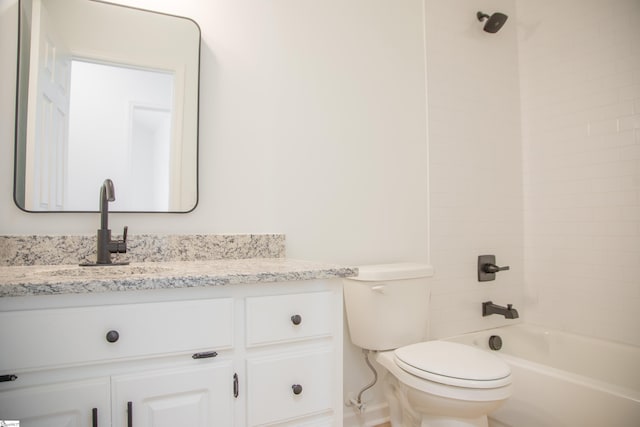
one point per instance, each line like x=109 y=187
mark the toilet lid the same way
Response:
x=453 y=364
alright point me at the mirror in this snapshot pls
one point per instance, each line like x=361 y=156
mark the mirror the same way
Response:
x=105 y=91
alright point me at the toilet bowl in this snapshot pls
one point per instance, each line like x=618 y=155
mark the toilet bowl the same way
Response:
x=426 y=383
x=443 y=384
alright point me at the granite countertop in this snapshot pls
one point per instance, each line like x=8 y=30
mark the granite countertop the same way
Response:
x=72 y=279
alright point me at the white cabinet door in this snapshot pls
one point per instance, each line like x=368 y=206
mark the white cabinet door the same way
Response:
x=199 y=396
x=59 y=405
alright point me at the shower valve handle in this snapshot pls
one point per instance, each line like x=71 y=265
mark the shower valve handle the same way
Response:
x=487 y=268
x=492 y=268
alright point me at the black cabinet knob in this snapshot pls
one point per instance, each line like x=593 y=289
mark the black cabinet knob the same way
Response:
x=296 y=319
x=113 y=336
x=297 y=389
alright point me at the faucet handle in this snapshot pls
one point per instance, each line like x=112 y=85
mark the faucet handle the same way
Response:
x=492 y=268
x=487 y=268
x=121 y=245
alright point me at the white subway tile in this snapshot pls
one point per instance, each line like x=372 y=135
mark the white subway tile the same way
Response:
x=630 y=93
x=618 y=79
x=625 y=183
x=602 y=127
x=629 y=122
x=630 y=213
x=622 y=138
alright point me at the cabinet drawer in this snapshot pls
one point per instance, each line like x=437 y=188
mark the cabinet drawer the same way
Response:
x=285 y=318
x=39 y=338
x=271 y=382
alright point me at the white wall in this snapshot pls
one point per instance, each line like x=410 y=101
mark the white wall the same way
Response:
x=312 y=124
x=475 y=162
x=580 y=72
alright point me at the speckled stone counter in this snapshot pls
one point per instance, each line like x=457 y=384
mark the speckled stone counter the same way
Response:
x=53 y=250
x=73 y=279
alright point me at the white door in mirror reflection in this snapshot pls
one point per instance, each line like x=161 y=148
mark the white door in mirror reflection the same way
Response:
x=47 y=151
x=150 y=167
x=134 y=151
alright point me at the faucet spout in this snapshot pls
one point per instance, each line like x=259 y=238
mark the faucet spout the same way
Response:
x=107 y=194
x=489 y=308
x=105 y=245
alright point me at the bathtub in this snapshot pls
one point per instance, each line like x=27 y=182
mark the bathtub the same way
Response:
x=564 y=380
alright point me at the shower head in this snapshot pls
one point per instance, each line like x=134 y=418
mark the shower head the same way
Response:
x=494 y=22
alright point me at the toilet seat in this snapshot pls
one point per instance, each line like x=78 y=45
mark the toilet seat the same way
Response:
x=453 y=364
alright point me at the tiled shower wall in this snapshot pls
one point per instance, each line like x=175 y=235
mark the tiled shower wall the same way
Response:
x=580 y=90
x=475 y=163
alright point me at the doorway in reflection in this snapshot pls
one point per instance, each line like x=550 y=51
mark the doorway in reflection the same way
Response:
x=133 y=150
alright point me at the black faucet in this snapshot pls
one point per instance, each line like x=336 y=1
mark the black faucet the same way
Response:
x=489 y=308
x=106 y=246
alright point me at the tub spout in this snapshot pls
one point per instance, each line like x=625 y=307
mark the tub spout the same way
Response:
x=489 y=308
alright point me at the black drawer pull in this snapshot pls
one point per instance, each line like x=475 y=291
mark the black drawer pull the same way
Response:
x=129 y=414
x=7 y=378
x=94 y=417
x=296 y=319
x=236 y=387
x=204 y=355
x=113 y=336
x=297 y=389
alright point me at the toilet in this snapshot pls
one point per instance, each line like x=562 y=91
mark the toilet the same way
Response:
x=426 y=383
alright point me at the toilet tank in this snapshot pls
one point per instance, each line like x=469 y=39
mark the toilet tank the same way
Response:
x=388 y=305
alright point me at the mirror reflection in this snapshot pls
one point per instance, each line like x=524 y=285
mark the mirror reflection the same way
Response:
x=105 y=91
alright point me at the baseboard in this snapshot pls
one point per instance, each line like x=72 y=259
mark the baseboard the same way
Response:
x=372 y=416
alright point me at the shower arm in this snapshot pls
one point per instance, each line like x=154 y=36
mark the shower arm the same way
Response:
x=482 y=16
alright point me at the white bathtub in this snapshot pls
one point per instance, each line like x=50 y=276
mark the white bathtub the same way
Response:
x=564 y=380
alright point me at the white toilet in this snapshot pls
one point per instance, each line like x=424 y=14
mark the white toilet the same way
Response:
x=426 y=383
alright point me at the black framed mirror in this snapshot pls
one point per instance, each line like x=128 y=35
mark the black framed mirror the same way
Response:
x=105 y=91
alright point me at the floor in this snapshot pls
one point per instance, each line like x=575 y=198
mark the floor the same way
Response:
x=384 y=425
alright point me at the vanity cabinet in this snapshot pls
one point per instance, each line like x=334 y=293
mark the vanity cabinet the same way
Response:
x=57 y=342
x=241 y=355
